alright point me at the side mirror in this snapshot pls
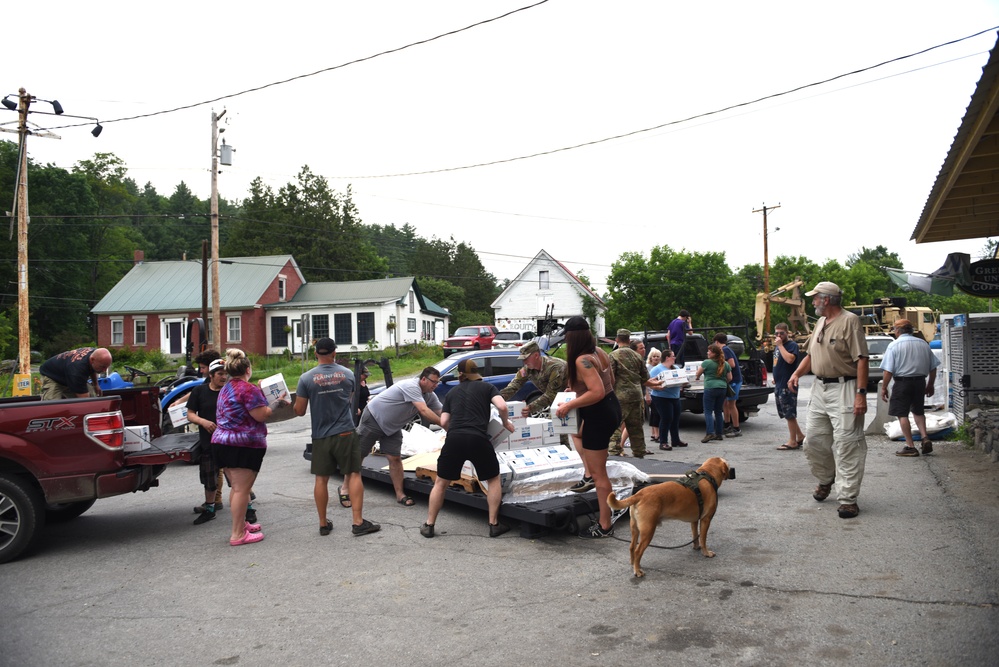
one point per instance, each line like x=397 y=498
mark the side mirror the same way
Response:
x=447 y=378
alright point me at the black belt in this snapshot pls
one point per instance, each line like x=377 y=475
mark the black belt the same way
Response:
x=845 y=378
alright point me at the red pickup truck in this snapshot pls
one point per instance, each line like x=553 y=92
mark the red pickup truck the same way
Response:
x=478 y=337
x=58 y=457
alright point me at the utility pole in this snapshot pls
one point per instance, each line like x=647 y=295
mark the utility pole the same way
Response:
x=23 y=328
x=216 y=310
x=766 y=272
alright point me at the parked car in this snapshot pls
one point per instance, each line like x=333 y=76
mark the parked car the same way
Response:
x=478 y=337
x=497 y=367
x=507 y=340
x=876 y=346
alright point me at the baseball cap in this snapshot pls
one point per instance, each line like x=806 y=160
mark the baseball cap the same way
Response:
x=217 y=365
x=528 y=349
x=468 y=371
x=325 y=346
x=825 y=288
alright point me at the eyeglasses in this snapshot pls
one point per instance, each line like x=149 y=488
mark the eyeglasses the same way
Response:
x=432 y=381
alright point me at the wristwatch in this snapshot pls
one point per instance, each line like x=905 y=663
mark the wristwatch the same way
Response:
x=862 y=390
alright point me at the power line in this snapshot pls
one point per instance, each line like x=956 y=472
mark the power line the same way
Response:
x=317 y=72
x=668 y=123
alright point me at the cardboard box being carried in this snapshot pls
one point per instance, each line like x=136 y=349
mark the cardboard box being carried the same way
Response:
x=137 y=438
x=671 y=377
x=178 y=414
x=274 y=388
x=570 y=423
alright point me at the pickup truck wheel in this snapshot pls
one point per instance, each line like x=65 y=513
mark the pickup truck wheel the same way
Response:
x=21 y=515
x=60 y=512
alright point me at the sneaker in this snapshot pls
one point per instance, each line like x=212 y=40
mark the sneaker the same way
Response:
x=595 y=532
x=427 y=530
x=927 y=447
x=204 y=507
x=717 y=437
x=495 y=530
x=204 y=517
x=848 y=511
x=728 y=428
x=733 y=433
x=907 y=451
x=365 y=528
x=582 y=485
x=822 y=492
x=251 y=514
x=253 y=496
x=708 y=438
x=327 y=529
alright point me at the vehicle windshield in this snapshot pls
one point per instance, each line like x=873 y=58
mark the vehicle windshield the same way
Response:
x=507 y=335
x=467 y=331
x=878 y=345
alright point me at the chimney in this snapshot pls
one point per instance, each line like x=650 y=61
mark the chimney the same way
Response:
x=138 y=257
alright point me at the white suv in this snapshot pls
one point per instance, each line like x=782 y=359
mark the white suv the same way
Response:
x=876 y=346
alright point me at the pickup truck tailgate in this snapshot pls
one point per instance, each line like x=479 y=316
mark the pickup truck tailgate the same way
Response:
x=167 y=449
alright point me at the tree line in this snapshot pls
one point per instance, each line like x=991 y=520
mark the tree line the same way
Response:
x=87 y=222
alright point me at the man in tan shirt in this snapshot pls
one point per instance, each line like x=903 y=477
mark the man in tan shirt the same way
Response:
x=837 y=354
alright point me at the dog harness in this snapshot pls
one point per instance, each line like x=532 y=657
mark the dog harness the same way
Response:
x=692 y=482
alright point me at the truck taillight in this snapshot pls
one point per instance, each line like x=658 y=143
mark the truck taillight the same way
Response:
x=106 y=428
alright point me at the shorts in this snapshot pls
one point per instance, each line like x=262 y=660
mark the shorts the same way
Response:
x=736 y=386
x=369 y=432
x=336 y=453
x=208 y=469
x=787 y=402
x=599 y=421
x=461 y=447
x=907 y=395
x=233 y=456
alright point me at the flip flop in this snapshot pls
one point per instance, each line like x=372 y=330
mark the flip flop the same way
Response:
x=785 y=448
x=344 y=500
x=407 y=501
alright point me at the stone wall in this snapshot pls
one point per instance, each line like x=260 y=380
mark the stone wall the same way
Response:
x=984 y=428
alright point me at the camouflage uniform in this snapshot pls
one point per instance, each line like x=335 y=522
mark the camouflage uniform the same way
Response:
x=630 y=376
x=550 y=380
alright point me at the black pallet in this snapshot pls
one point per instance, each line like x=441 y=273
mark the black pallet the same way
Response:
x=535 y=518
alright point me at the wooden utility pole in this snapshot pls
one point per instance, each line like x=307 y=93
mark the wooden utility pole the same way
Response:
x=23 y=327
x=216 y=310
x=766 y=272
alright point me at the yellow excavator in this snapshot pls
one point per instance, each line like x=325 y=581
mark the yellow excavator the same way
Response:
x=797 y=320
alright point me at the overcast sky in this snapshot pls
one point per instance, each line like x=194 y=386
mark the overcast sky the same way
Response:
x=850 y=162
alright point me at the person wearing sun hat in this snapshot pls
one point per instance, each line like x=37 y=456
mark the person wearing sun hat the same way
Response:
x=465 y=417
x=837 y=354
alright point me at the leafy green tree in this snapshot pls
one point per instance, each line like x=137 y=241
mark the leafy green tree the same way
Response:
x=443 y=293
x=647 y=294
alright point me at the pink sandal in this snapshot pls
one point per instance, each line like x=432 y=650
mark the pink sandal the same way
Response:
x=252 y=527
x=248 y=538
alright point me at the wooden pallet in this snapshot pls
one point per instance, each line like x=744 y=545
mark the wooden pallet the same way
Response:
x=469 y=484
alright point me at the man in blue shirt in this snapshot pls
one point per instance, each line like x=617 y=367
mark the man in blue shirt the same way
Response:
x=786 y=362
x=677 y=331
x=910 y=362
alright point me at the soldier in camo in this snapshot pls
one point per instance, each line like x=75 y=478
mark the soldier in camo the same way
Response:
x=631 y=376
x=547 y=373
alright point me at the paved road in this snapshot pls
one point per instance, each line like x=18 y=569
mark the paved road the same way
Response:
x=912 y=581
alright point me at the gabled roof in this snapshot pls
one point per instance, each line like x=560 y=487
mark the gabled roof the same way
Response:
x=542 y=255
x=964 y=201
x=360 y=292
x=175 y=286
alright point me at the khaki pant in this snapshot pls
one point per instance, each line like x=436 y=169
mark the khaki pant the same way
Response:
x=836 y=448
x=53 y=391
x=633 y=415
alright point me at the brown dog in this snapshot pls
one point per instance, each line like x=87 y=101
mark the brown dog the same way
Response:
x=673 y=500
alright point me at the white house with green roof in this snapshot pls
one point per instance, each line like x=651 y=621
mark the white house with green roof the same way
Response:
x=267 y=307
x=355 y=313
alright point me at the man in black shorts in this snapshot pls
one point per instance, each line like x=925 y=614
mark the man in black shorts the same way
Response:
x=465 y=417
x=910 y=362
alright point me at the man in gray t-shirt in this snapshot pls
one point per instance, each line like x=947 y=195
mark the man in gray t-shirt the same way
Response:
x=390 y=411
x=327 y=389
